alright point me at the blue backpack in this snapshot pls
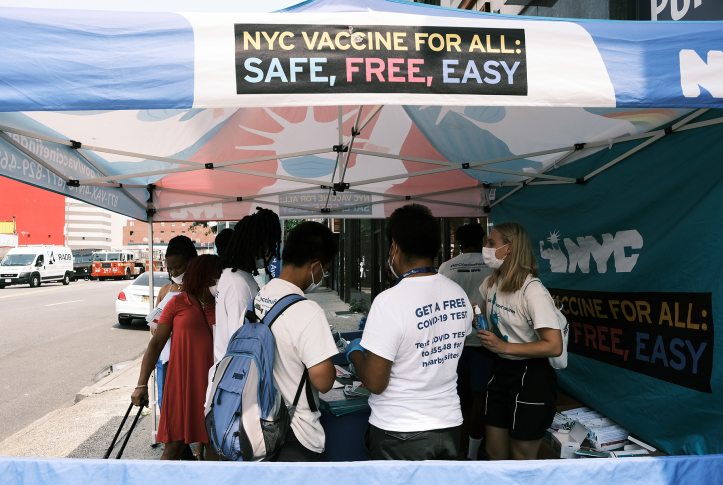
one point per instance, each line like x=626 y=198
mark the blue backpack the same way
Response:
x=246 y=416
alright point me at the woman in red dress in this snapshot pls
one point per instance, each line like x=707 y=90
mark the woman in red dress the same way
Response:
x=191 y=316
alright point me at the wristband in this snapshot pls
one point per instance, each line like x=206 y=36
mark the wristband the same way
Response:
x=141 y=387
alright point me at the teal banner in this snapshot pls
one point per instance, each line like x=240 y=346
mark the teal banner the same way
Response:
x=635 y=256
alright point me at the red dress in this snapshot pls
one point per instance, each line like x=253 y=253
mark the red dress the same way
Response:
x=191 y=357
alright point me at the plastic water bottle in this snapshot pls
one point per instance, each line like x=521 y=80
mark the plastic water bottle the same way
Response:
x=480 y=322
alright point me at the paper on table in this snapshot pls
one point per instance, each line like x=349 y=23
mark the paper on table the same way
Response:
x=341 y=372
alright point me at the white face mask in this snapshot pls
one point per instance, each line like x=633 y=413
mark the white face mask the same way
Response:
x=313 y=285
x=178 y=279
x=261 y=262
x=214 y=289
x=489 y=255
x=391 y=264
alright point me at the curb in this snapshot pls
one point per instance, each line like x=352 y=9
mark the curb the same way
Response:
x=102 y=384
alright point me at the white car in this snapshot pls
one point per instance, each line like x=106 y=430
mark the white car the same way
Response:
x=132 y=302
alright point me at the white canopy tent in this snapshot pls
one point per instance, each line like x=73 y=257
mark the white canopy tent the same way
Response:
x=338 y=108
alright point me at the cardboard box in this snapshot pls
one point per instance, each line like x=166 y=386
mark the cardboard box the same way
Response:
x=566 y=443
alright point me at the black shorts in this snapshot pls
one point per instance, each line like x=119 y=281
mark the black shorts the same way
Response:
x=521 y=397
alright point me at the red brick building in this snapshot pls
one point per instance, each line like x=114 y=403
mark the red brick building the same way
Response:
x=135 y=233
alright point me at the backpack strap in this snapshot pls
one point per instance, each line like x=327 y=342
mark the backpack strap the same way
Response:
x=309 y=396
x=279 y=307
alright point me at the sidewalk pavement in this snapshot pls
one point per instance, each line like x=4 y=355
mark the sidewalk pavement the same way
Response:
x=85 y=428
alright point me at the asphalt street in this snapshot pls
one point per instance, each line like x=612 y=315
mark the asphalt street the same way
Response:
x=53 y=340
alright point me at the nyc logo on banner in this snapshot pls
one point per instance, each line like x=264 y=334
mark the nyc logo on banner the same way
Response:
x=286 y=59
x=668 y=336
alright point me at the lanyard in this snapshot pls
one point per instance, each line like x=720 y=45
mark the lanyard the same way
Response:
x=426 y=269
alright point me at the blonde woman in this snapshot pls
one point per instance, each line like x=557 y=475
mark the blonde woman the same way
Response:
x=522 y=392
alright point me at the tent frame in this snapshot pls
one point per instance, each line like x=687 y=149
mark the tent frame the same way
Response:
x=341 y=165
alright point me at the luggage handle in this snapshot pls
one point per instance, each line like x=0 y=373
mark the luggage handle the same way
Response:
x=128 y=436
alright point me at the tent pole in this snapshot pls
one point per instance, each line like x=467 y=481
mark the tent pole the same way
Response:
x=90 y=161
x=231 y=199
x=33 y=156
x=519 y=187
x=650 y=141
x=217 y=166
x=370 y=116
x=151 y=305
x=354 y=132
x=339 y=154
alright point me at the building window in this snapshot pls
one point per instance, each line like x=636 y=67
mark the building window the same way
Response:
x=131 y=233
x=131 y=241
x=183 y=223
x=173 y=233
x=183 y=232
x=132 y=222
x=163 y=224
x=163 y=232
x=173 y=223
x=162 y=241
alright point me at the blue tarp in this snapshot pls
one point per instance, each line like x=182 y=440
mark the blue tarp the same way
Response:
x=621 y=471
x=635 y=256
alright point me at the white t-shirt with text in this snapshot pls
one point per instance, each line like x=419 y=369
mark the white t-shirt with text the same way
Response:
x=303 y=338
x=517 y=320
x=235 y=290
x=420 y=325
x=468 y=270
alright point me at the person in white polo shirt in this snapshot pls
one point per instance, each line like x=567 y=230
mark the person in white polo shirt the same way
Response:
x=408 y=354
x=469 y=270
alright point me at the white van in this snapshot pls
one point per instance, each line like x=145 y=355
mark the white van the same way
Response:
x=34 y=265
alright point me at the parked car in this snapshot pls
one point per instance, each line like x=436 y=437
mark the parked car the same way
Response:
x=33 y=265
x=133 y=302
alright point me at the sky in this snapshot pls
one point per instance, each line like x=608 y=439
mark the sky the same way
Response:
x=157 y=5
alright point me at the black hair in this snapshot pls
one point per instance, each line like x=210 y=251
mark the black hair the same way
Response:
x=222 y=240
x=181 y=246
x=415 y=230
x=251 y=234
x=470 y=235
x=309 y=241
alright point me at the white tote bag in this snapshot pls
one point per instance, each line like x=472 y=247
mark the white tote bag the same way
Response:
x=559 y=362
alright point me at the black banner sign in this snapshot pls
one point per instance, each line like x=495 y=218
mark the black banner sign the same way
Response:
x=668 y=336
x=286 y=59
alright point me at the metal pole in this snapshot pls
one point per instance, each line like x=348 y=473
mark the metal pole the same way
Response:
x=151 y=305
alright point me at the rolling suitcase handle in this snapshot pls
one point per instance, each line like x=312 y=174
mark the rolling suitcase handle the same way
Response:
x=133 y=425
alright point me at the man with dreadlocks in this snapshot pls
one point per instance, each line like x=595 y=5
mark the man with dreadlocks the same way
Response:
x=255 y=243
